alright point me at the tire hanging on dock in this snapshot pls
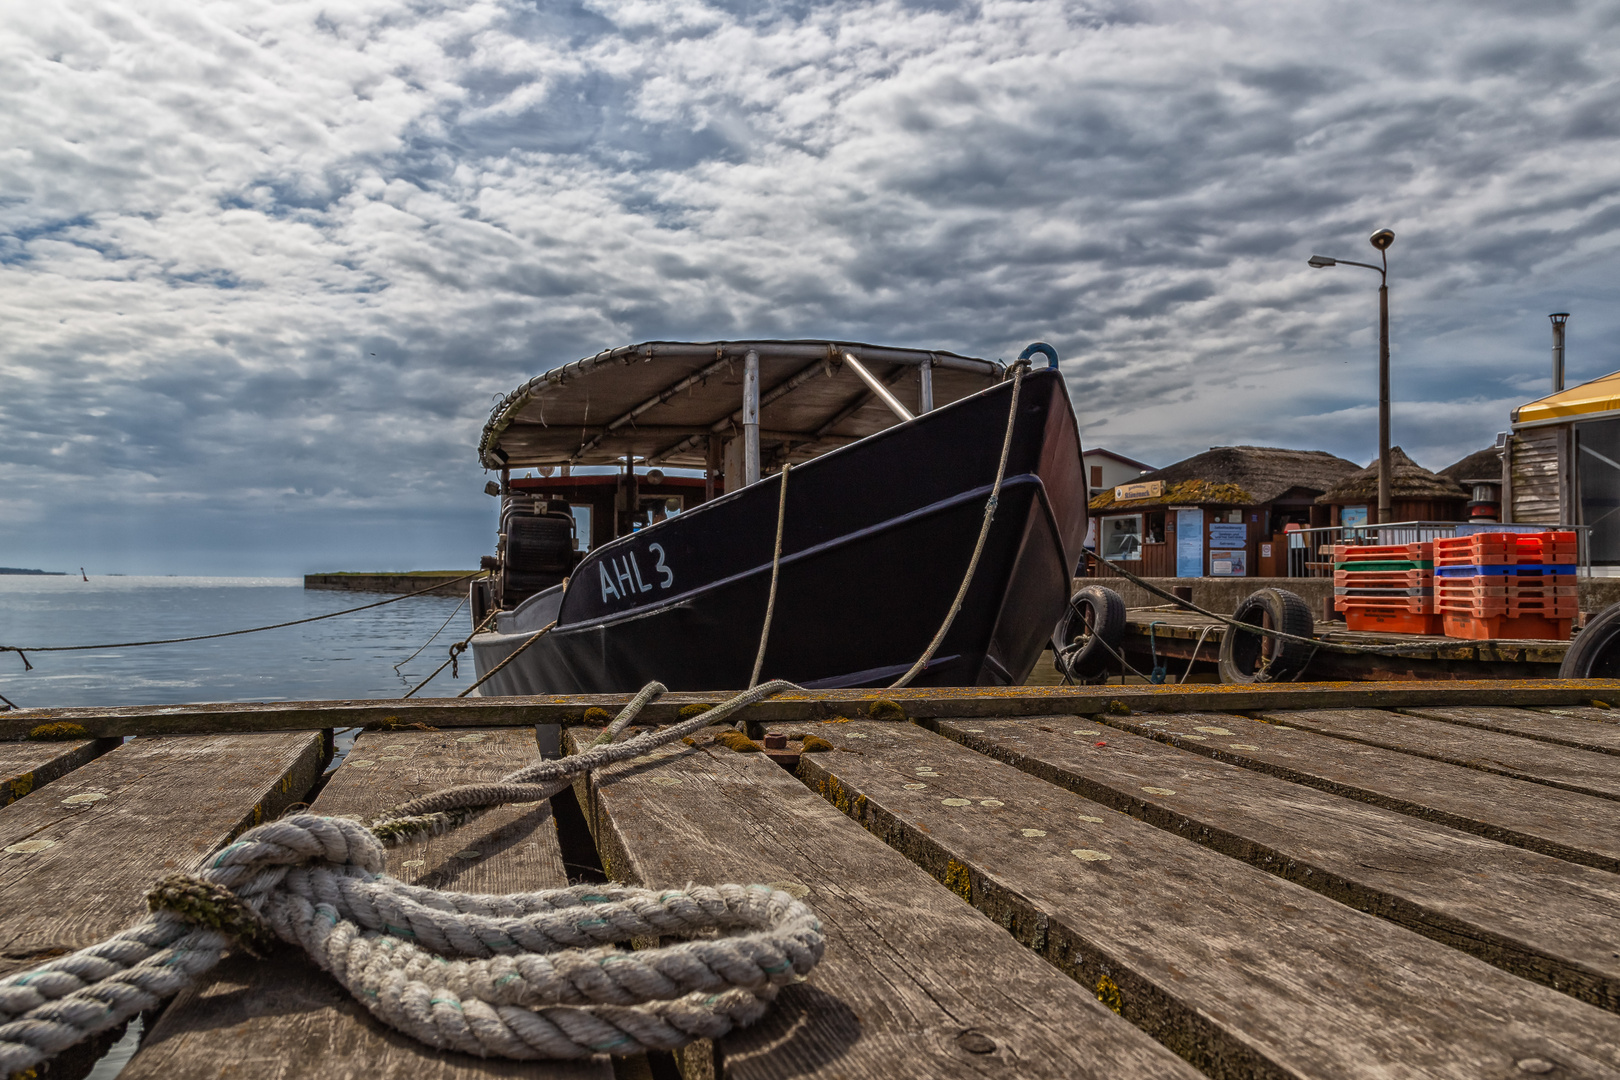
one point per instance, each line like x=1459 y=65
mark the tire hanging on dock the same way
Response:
x=1090 y=634
x=1256 y=658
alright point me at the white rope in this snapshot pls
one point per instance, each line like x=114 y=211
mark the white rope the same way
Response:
x=984 y=534
x=524 y=976
x=776 y=568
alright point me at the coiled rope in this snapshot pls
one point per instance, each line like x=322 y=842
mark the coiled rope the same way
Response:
x=525 y=976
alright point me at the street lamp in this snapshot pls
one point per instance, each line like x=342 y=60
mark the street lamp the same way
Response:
x=1380 y=240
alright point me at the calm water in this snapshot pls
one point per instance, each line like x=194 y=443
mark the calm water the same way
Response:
x=347 y=657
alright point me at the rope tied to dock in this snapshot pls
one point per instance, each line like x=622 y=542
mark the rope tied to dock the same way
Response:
x=524 y=976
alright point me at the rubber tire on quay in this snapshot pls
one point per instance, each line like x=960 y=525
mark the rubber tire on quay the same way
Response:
x=1595 y=652
x=1095 y=614
x=1243 y=655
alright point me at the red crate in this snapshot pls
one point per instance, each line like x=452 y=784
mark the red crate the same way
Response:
x=1383 y=579
x=1547 y=547
x=1393 y=622
x=1383 y=552
x=1532 y=627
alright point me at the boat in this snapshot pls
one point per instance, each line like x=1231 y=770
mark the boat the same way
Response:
x=883 y=510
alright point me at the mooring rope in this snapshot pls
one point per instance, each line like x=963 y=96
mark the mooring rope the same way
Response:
x=1019 y=368
x=24 y=650
x=432 y=638
x=776 y=567
x=511 y=656
x=526 y=976
x=455 y=651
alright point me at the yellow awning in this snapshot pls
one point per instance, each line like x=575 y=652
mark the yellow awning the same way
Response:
x=1597 y=396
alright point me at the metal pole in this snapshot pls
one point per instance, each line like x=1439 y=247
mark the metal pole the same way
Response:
x=1558 y=318
x=876 y=386
x=1384 y=467
x=925 y=386
x=750 y=411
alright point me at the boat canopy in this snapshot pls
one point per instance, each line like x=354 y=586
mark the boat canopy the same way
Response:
x=663 y=401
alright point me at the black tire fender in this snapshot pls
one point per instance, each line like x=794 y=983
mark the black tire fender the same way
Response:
x=1095 y=622
x=1595 y=652
x=1256 y=658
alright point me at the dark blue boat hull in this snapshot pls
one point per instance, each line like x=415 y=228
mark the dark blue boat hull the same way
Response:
x=877 y=539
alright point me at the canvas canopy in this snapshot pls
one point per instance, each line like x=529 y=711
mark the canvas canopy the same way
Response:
x=1586 y=400
x=662 y=401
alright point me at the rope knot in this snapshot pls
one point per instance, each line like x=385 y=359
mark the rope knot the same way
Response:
x=205 y=903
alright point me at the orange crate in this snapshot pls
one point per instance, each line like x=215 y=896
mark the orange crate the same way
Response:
x=1558 y=607
x=1533 y=627
x=1495 y=586
x=1383 y=579
x=1412 y=605
x=1387 y=621
x=1383 y=552
x=1481 y=549
x=1496 y=549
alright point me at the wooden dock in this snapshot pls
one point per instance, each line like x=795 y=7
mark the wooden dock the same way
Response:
x=1305 y=881
x=1178 y=637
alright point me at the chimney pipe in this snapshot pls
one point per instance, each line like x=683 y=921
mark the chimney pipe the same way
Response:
x=1559 y=318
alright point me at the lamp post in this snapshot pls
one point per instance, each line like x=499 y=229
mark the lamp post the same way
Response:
x=1380 y=240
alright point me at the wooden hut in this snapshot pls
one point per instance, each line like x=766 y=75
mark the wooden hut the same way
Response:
x=1564 y=464
x=1221 y=513
x=1415 y=494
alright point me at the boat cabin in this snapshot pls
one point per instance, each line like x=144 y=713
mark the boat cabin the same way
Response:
x=596 y=449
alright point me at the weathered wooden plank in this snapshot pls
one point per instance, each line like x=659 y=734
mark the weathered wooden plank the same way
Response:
x=1587 y=729
x=283 y=1017
x=1246 y=974
x=79 y=855
x=26 y=767
x=914 y=982
x=932 y=702
x=1488 y=751
x=1534 y=915
x=1580 y=828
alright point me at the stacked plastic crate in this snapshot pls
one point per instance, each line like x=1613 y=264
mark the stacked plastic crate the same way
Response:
x=1388 y=587
x=1507 y=585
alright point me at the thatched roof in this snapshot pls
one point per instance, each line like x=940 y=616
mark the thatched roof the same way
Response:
x=1410 y=481
x=1235 y=476
x=1483 y=464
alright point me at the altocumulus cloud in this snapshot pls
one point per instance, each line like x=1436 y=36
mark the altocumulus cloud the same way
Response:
x=263 y=266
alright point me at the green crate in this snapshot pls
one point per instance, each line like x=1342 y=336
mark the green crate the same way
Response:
x=1386 y=565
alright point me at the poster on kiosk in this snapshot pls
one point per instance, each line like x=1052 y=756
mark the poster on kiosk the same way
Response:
x=1190 y=543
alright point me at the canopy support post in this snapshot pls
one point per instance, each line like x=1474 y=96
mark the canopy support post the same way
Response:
x=750 y=412
x=877 y=388
x=711 y=466
x=925 y=386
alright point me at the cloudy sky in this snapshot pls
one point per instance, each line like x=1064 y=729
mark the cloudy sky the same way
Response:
x=265 y=263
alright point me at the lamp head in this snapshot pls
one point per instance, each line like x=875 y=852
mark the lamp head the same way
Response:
x=1381 y=239
x=1559 y=318
x=1319 y=261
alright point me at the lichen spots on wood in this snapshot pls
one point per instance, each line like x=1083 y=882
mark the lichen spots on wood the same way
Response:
x=958 y=880
x=739 y=742
x=57 y=732
x=884 y=709
x=1108 y=993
